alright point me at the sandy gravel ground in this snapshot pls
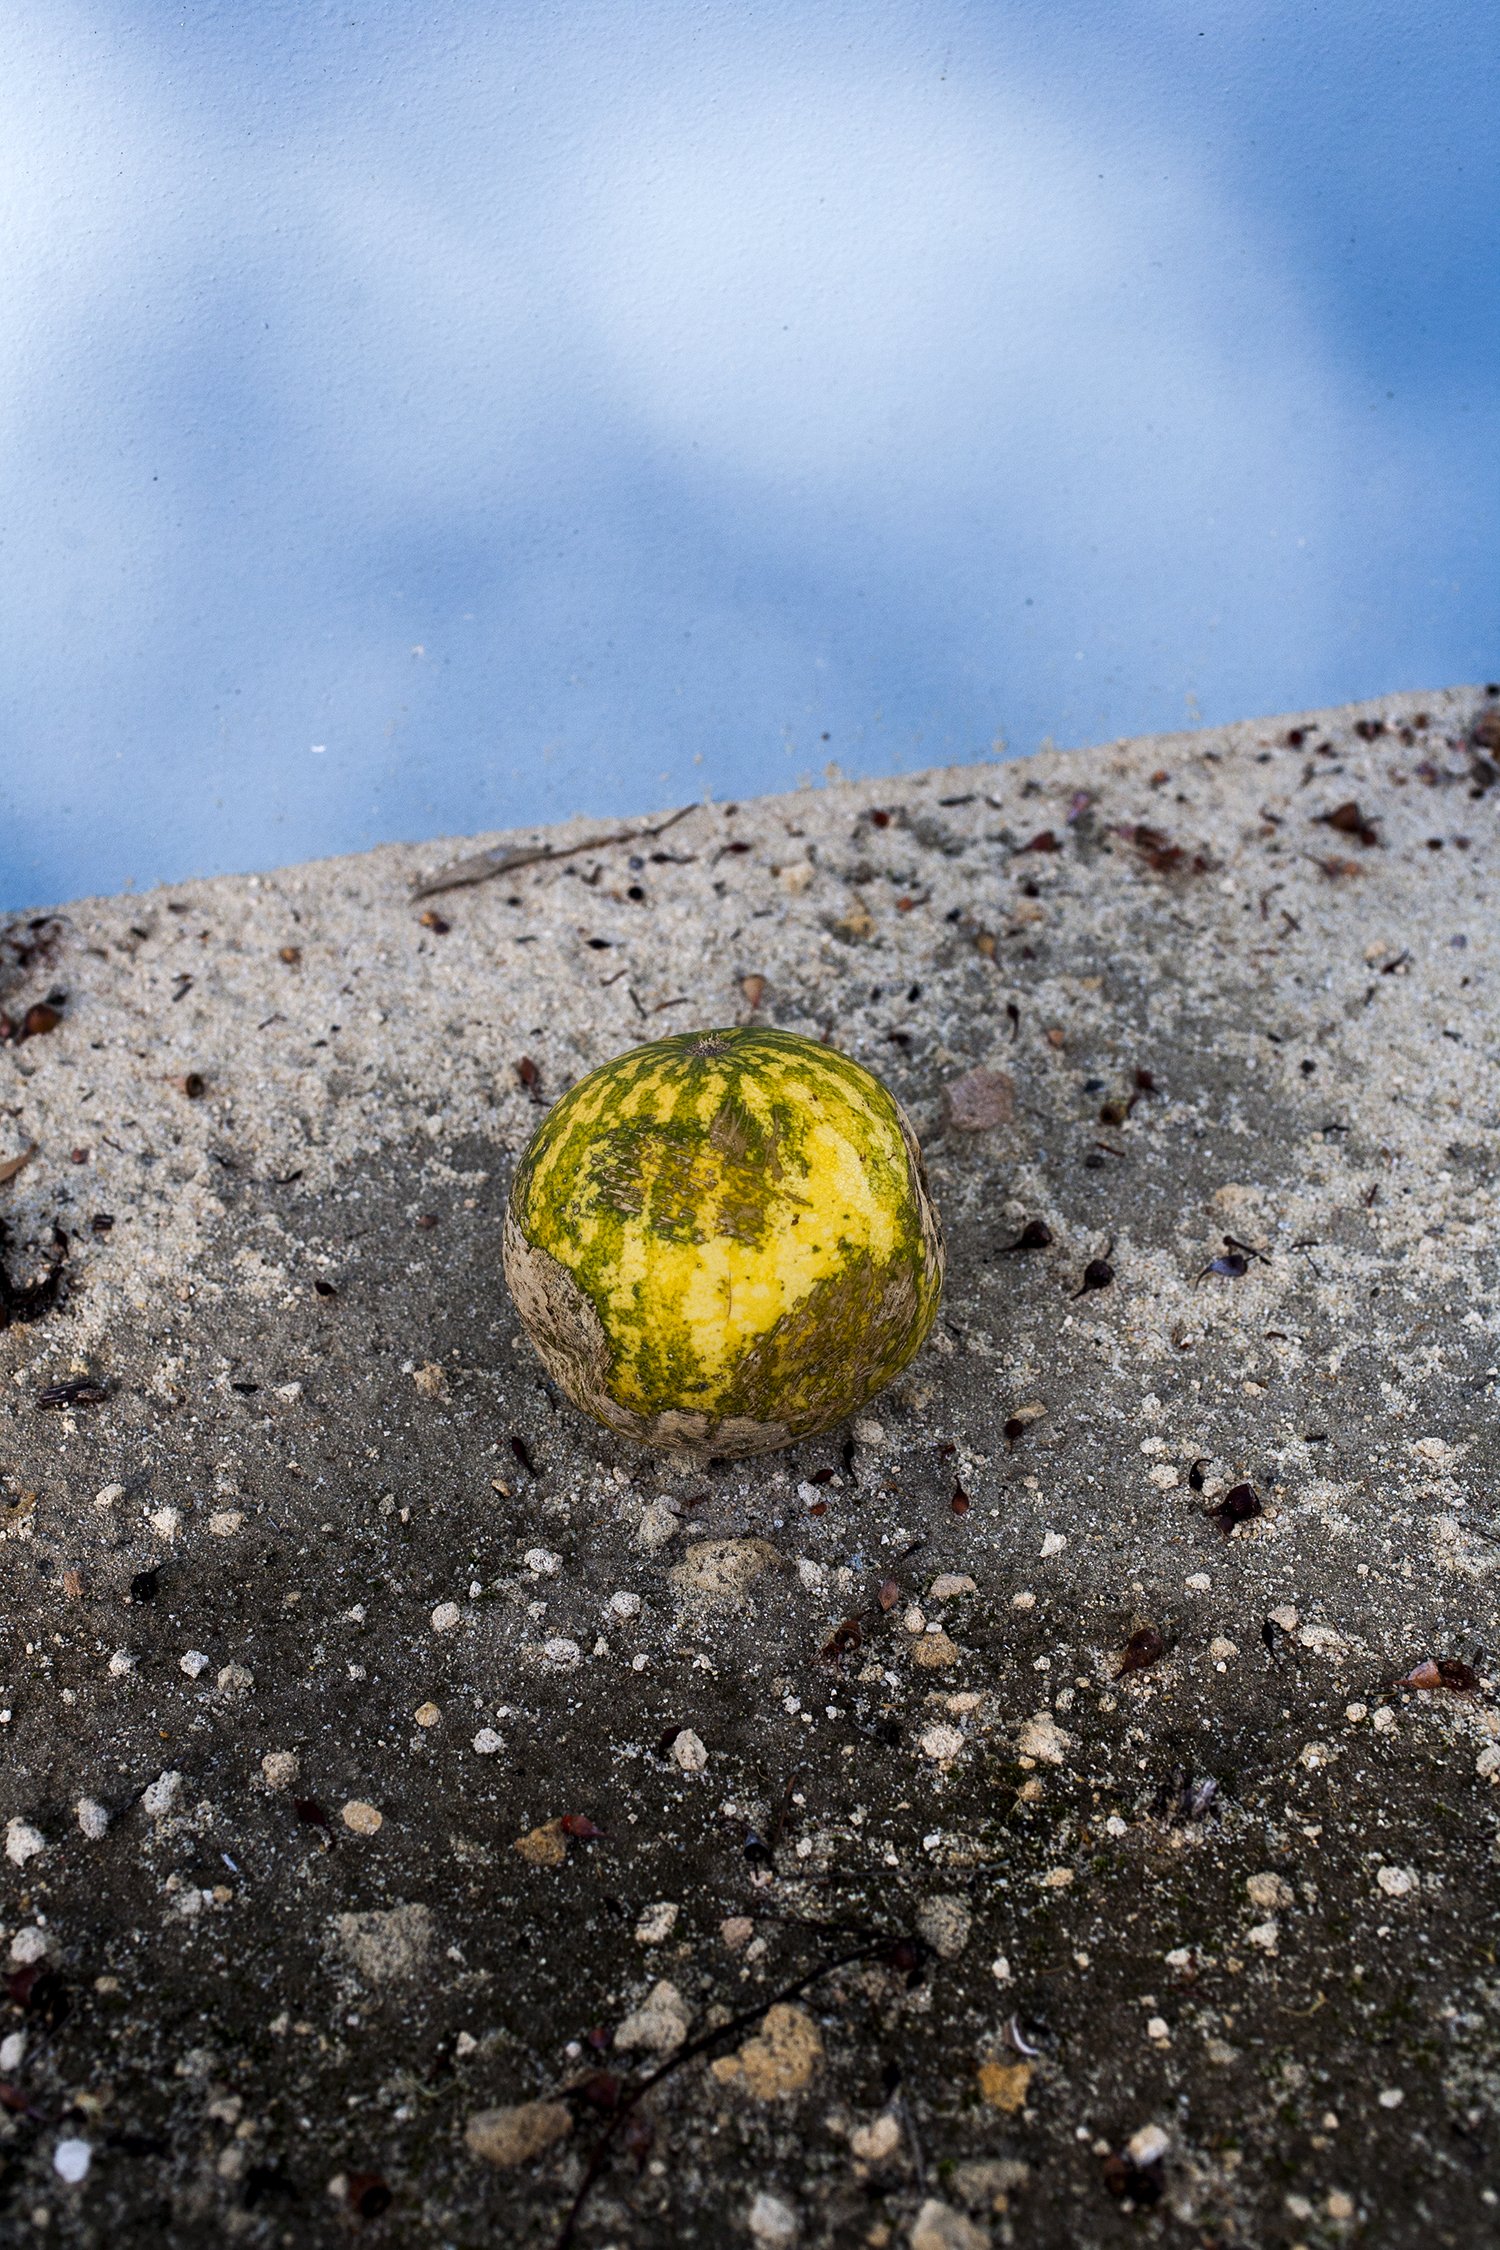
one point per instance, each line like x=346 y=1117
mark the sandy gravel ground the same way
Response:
x=1058 y=1809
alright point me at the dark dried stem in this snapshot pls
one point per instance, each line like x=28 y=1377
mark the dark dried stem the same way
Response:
x=478 y=869
x=702 y=2045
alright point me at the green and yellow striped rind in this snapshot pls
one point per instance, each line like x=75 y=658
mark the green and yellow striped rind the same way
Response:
x=723 y=1242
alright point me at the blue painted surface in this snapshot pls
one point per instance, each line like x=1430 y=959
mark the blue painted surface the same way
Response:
x=427 y=418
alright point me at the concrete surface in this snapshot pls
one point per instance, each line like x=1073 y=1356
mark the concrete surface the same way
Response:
x=1005 y=1833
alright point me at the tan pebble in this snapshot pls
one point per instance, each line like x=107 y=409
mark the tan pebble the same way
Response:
x=1043 y=1739
x=784 y=2054
x=934 y=1652
x=724 y=1570
x=938 y=2226
x=362 y=1818
x=280 y=1768
x=546 y=1846
x=506 y=2137
x=427 y=1715
x=1004 y=2085
x=658 y=1527
x=659 y=2024
x=944 y=1923
x=979 y=1101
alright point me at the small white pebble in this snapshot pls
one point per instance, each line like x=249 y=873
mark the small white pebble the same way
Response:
x=915 y=1620
x=1384 y=1721
x=122 y=1663
x=225 y=1522
x=1000 y=1969
x=1054 y=1544
x=427 y=1715
x=774 y=2225
x=22 y=1842
x=1180 y=1957
x=165 y=1522
x=487 y=1742
x=625 y=1605
x=656 y=1923
x=92 y=1818
x=108 y=1495
x=1115 y=1826
x=1397 y=1882
x=688 y=1752
x=71 y=2160
x=1265 y=1935
x=235 y=1679
x=1023 y=1601
x=363 y=1819
x=657 y=1528
x=1148 y=2146
x=280 y=1768
x=1220 y=1650
x=1354 y=1712
x=29 y=1944
x=560 y=1650
x=874 y=2142
x=542 y=1563
x=193 y=1662
x=1286 y=1617
x=447 y=1617
x=1391 y=2097
x=1157 y=2028
x=159 y=1796
x=1199 y=1582
x=950 y=1586
x=12 y=2050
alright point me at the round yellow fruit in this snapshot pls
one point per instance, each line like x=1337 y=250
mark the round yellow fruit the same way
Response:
x=723 y=1242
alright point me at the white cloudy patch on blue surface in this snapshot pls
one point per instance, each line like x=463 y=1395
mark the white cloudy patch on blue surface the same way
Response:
x=552 y=414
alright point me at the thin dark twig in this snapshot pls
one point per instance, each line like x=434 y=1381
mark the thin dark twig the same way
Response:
x=482 y=865
x=919 y=2160
x=702 y=2045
